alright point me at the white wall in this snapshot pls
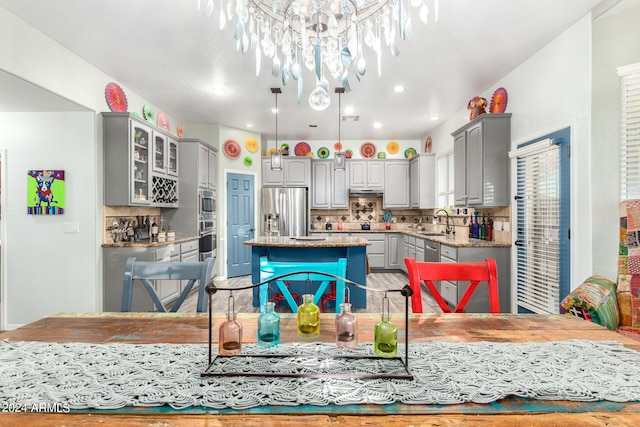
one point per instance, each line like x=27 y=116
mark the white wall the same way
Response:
x=47 y=270
x=550 y=91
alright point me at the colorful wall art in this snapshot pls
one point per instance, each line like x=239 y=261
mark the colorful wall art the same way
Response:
x=45 y=192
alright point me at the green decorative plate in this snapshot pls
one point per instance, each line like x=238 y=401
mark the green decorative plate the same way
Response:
x=323 y=152
x=148 y=115
x=248 y=161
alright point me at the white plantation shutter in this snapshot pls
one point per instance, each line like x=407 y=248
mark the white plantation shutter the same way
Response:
x=445 y=179
x=538 y=216
x=630 y=132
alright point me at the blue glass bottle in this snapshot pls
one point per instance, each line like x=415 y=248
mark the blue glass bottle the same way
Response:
x=269 y=326
x=476 y=227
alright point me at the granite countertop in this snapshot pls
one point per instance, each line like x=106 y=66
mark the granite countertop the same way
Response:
x=308 y=242
x=459 y=241
x=148 y=243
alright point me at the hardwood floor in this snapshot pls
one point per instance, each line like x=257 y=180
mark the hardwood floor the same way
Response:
x=243 y=298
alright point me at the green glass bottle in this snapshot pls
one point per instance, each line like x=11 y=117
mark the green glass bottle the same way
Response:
x=308 y=318
x=385 y=333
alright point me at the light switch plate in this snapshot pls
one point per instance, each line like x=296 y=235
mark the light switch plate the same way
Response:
x=505 y=226
x=72 y=227
x=497 y=225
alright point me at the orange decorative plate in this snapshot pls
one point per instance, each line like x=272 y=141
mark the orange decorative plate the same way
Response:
x=180 y=131
x=252 y=144
x=499 y=100
x=231 y=149
x=393 y=147
x=427 y=144
x=368 y=150
x=337 y=146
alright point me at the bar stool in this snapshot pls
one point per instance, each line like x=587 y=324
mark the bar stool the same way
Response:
x=331 y=296
x=278 y=297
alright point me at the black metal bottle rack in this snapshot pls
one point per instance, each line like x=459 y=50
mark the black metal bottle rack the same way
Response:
x=216 y=363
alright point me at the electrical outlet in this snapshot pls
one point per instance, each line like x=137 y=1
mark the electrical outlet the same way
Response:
x=497 y=225
x=505 y=226
x=71 y=227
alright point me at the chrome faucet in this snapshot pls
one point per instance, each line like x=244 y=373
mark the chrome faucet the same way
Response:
x=449 y=229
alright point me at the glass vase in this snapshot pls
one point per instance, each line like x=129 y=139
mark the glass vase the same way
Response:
x=308 y=318
x=385 y=341
x=230 y=333
x=346 y=327
x=269 y=326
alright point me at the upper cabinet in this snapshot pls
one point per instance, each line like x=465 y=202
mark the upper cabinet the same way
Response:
x=366 y=174
x=481 y=161
x=295 y=172
x=134 y=150
x=396 y=184
x=422 y=172
x=328 y=186
x=207 y=167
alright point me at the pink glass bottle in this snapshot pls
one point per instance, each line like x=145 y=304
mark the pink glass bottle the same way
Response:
x=230 y=333
x=346 y=327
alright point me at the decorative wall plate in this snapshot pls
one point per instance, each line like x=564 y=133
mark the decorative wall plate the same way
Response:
x=116 y=99
x=427 y=144
x=231 y=149
x=410 y=152
x=248 y=161
x=147 y=113
x=163 y=121
x=393 y=147
x=323 y=152
x=337 y=146
x=368 y=150
x=180 y=131
x=252 y=144
x=271 y=151
x=499 y=101
x=301 y=149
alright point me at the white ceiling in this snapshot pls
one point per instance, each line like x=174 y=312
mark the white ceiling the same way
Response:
x=173 y=56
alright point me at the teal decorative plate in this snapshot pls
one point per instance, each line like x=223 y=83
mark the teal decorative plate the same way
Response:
x=323 y=152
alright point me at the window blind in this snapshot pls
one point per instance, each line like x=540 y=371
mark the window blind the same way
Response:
x=630 y=132
x=445 y=179
x=538 y=218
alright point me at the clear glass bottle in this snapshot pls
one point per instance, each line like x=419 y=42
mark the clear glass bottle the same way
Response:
x=269 y=326
x=308 y=318
x=346 y=327
x=385 y=341
x=230 y=333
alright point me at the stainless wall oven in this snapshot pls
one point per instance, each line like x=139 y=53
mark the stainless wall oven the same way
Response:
x=207 y=224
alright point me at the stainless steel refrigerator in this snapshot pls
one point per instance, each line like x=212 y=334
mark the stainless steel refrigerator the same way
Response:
x=284 y=211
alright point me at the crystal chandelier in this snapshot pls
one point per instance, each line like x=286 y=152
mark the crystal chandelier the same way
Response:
x=325 y=36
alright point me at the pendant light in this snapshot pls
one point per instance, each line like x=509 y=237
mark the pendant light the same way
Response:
x=339 y=155
x=276 y=156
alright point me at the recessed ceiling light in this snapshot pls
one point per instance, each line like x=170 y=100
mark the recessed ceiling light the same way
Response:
x=249 y=125
x=274 y=110
x=398 y=89
x=219 y=91
x=377 y=125
x=348 y=110
x=434 y=117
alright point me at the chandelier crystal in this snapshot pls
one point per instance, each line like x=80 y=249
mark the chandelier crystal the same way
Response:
x=327 y=37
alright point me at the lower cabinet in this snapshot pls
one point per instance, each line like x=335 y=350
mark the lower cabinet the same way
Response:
x=393 y=251
x=452 y=291
x=375 y=251
x=113 y=274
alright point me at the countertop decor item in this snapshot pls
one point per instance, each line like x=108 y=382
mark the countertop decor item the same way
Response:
x=499 y=101
x=476 y=106
x=393 y=147
x=301 y=149
x=163 y=121
x=252 y=144
x=410 y=152
x=116 y=98
x=231 y=149
x=368 y=150
x=180 y=131
x=348 y=154
x=147 y=113
x=248 y=161
x=323 y=152
x=427 y=144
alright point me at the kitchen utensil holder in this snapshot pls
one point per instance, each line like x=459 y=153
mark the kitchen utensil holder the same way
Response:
x=298 y=359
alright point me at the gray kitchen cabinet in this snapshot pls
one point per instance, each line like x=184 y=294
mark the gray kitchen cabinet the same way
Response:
x=295 y=172
x=452 y=291
x=189 y=253
x=366 y=174
x=132 y=176
x=481 y=161
x=422 y=173
x=328 y=186
x=419 y=249
x=393 y=251
x=376 y=250
x=167 y=290
x=197 y=168
x=396 y=184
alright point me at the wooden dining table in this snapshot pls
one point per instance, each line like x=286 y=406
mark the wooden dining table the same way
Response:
x=181 y=328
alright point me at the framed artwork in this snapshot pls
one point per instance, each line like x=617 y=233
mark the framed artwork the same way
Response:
x=45 y=192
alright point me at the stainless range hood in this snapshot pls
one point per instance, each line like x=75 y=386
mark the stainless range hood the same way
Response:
x=355 y=192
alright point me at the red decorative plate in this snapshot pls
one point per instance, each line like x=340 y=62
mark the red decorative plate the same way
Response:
x=163 y=121
x=427 y=144
x=116 y=99
x=301 y=149
x=231 y=149
x=368 y=150
x=499 y=101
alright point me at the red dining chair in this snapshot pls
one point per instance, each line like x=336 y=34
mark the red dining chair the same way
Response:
x=474 y=272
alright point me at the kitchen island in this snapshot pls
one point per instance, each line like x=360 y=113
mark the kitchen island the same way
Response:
x=309 y=249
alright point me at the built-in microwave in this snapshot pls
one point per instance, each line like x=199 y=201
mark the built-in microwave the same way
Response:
x=207 y=205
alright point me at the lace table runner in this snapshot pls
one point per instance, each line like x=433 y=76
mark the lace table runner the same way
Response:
x=110 y=376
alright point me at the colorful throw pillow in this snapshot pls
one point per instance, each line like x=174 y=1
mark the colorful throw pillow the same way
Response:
x=594 y=300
